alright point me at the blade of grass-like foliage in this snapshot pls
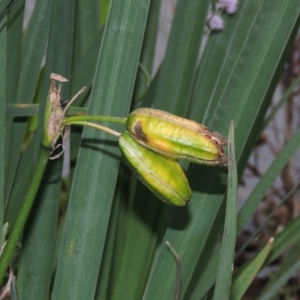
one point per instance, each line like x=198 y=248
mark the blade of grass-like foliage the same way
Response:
x=274 y=211
x=138 y=248
x=277 y=285
x=124 y=263
x=33 y=50
x=244 y=276
x=109 y=259
x=59 y=55
x=121 y=227
x=97 y=167
x=187 y=233
x=173 y=89
x=147 y=100
x=263 y=185
x=235 y=43
x=147 y=55
x=139 y=210
x=17 y=110
x=202 y=289
x=85 y=70
x=86 y=27
x=84 y=66
x=24 y=170
x=13 y=290
x=283 y=99
x=287 y=268
x=22 y=181
x=35 y=273
x=14 y=36
x=24 y=211
x=285 y=239
x=225 y=268
x=3 y=75
x=104 y=8
x=250 y=41
x=37 y=264
x=5 y=7
x=249 y=53
x=32 y=123
x=179 y=66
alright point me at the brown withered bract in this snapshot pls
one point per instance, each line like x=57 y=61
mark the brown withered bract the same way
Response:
x=57 y=114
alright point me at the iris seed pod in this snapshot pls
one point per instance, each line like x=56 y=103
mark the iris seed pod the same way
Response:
x=162 y=175
x=176 y=137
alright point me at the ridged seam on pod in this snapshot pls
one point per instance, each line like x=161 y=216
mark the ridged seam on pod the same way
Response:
x=176 y=137
x=162 y=175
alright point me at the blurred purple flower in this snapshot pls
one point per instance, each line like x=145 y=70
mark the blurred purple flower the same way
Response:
x=215 y=22
x=228 y=5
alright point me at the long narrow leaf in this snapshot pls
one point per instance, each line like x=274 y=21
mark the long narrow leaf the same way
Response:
x=84 y=71
x=283 y=99
x=274 y=290
x=138 y=248
x=33 y=50
x=4 y=8
x=242 y=54
x=147 y=54
x=139 y=209
x=224 y=273
x=35 y=273
x=40 y=230
x=244 y=276
x=263 y=185
x=109 y=259
x=179 y=66
x=86 y=27
x=288 y=268
x=98 y=160
x=3 y=75
x=14 y=37
x=274 y=211
x=285 y=239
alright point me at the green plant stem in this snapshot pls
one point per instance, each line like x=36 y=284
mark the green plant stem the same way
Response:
x=178 y=275
x=97 y=126
x=25 y=209
x=73 y=119
x=148 y=80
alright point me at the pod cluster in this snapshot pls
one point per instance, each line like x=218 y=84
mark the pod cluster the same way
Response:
x=153 y=142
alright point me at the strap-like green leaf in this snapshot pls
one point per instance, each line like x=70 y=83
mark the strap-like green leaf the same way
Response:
x=245 y=275
x=225 y=268
x=98 y=159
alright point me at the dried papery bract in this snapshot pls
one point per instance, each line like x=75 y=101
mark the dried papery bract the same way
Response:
x=65 y=135
x=54 y=116
x=58 y=77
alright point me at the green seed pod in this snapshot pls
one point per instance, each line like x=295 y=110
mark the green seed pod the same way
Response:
x=176 y=137
x=162 y=175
